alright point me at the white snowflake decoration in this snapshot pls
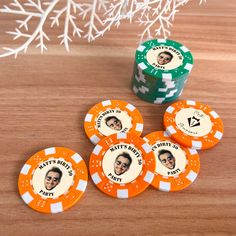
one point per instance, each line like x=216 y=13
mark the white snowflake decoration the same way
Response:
x=99 y=16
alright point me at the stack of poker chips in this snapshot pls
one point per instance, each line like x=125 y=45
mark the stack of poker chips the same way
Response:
x=123 y=163
x=161 y=70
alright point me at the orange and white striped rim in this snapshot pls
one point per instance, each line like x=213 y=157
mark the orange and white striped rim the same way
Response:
x=186 y=136
x=100 y=110
x=105 y=183
x=74 y=175
x=180 y=177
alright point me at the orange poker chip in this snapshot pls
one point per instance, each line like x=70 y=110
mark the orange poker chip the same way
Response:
x=176 y=167
x=193 y=124
x=110 y=117
x=122 y=165
x=53 y=180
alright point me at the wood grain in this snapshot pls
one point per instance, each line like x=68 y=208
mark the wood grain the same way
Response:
x=44 y=99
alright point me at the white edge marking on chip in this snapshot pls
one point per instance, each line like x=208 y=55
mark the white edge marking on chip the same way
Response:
x=170 y=130
x=164 y=186
x=188 y=66
x=197 y=144
x=106 y=103
x=94 y=139
x=121 y=136
x=161 y=40
x=162 y=89
x=218 y=135
x=167 y=76
x=25 y=169
x=149 y=177
x=192 y=103
x=97 y=149
x=130 y=107
x=27 y=198
x=122 y=193
x=146 y=147
x=171 y=93
x=142 y=66
x=169 y=86
x=88 y=118
x=159 y=100
x=135 y=89
x=76 y=157
x=56 y=207
x=50 y=151
x=81 y=185
x=184 y=49
x=143 y=89
x=141 y=78
x=214 y=114
x=166 y=134
x=191 y=176
x=137 y=78
x=96 y=178
x=170 y=83
x=145 y=139
x=139 y=127
x=141 y=48
x=192 y=151
x=170 y=109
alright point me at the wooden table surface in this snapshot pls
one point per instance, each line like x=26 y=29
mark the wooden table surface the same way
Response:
x=44 y=99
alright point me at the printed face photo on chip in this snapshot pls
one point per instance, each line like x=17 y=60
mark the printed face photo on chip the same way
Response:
x=114 y=123
x=122 y=163
x=52 y=178
x=167 y=159
x=164 y=58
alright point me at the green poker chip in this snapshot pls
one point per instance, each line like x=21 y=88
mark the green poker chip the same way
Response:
x=141 y=73
x=161 y=70
x=157 y=100
x=164 y=59
x=146 y=93
x=159 y=88
x=143 y=93
x=161 y=92
x=151 y=93
x=154 y=85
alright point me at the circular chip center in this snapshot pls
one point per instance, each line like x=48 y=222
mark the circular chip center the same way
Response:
x=164 y=57
x=122 y=163
x=170 y=158
x=193 y=122
x=52 y=178
x=113 y=121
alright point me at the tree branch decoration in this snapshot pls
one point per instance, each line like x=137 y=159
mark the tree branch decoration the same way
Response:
x=89 y=20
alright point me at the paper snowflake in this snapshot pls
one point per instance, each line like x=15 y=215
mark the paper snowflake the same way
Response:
x=89 y=20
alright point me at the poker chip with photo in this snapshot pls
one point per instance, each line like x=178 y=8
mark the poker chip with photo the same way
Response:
x=53 y=180
x=176 y=167
x=112 y=117
x=161 y=70
x=121 y=165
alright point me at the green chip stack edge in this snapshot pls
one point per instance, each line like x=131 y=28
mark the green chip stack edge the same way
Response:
x=161 y=70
